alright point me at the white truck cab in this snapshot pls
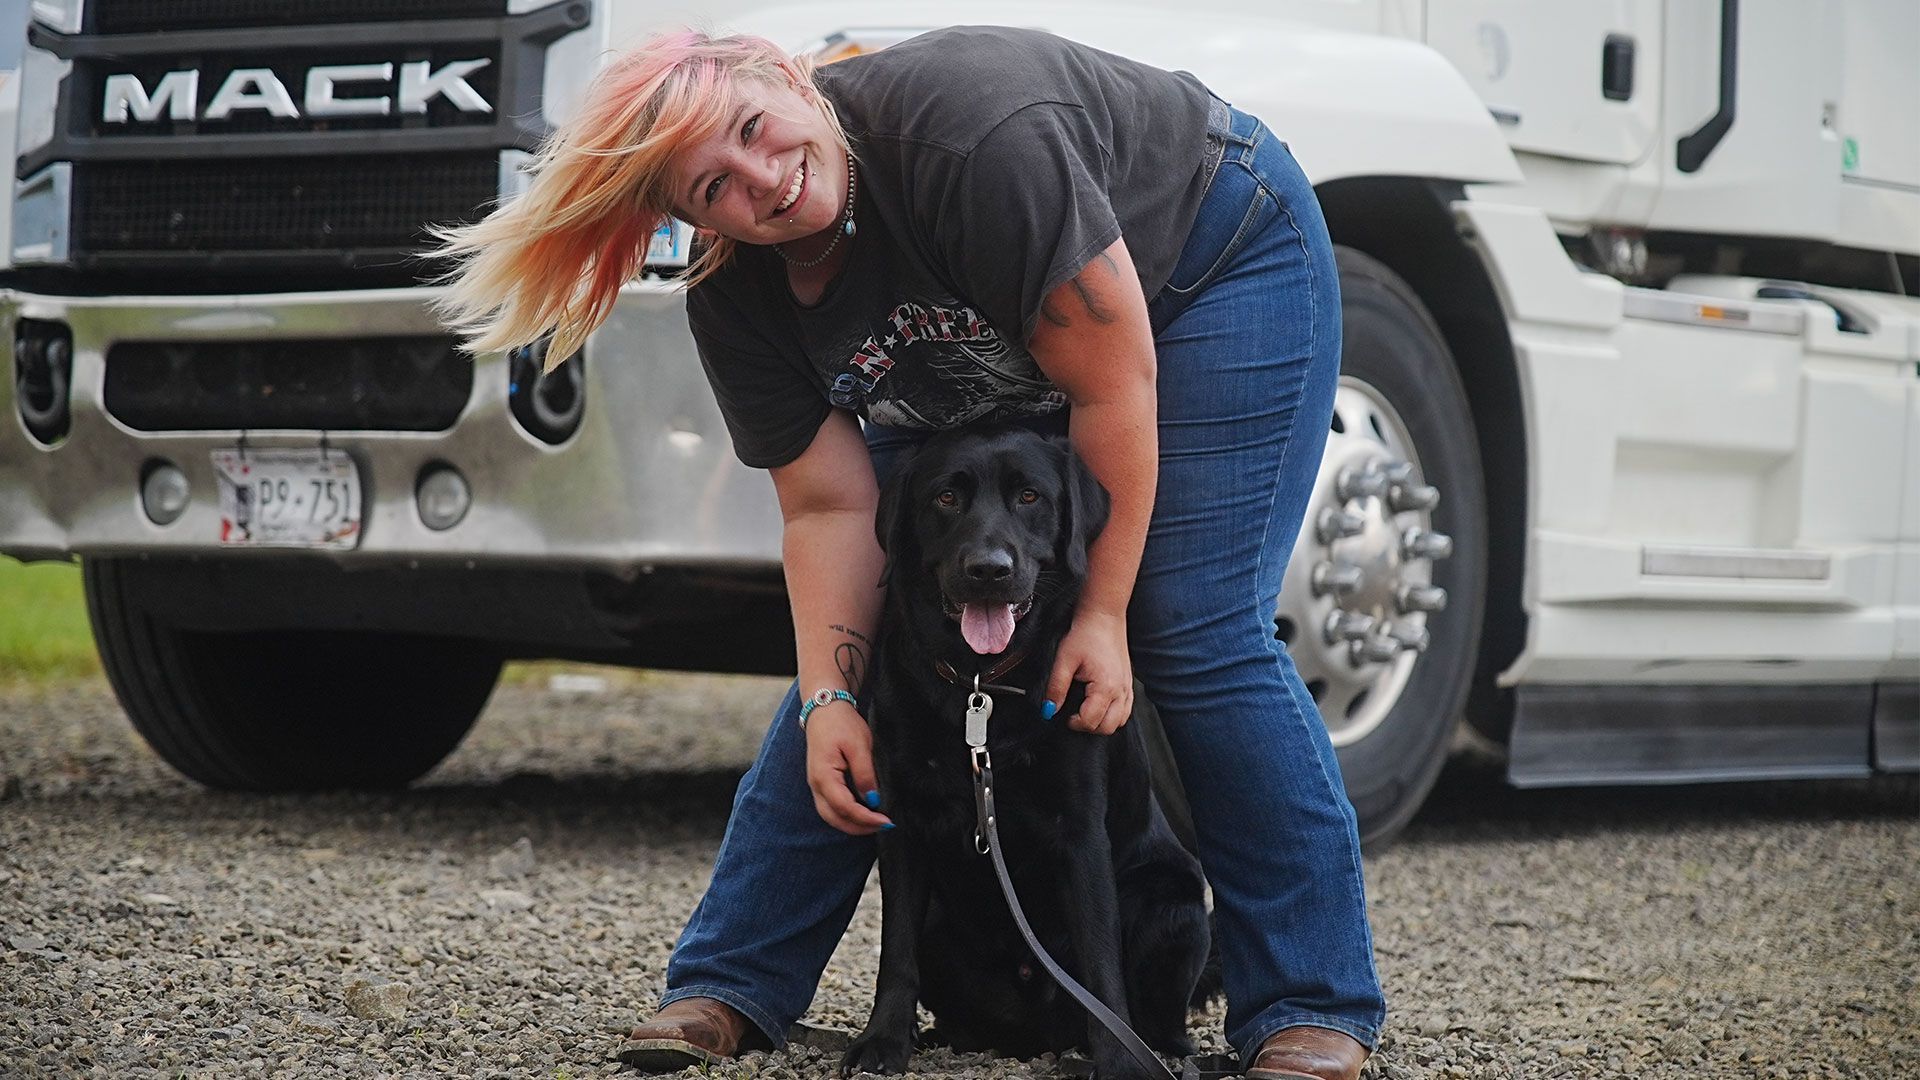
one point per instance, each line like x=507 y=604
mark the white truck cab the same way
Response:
x=1624 y=469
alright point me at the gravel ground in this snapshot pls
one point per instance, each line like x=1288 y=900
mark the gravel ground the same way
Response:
x=512 y=914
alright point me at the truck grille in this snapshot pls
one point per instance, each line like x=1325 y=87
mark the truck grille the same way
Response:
x=193 y=137
x=333 y=384
x=142 y=16
x=285 y=204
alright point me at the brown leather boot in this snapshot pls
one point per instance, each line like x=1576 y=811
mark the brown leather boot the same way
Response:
x=691 y=1031
x=1308 y=1053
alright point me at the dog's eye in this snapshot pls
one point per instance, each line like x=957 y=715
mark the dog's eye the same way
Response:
x=1029 y=497
x=946 y=498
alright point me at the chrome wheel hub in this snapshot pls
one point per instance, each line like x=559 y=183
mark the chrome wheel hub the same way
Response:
x=1353 y=608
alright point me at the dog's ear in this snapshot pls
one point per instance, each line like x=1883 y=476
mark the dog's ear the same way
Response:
x=1085 y=511
x=892 y=519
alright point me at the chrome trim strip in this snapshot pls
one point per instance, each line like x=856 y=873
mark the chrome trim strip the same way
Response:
x=1694 y=310
x=1772 y=565
x=66 y=16
x=43 y=216
x=515 y=174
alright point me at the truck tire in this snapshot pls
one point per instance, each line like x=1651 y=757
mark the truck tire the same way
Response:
x=1383 y=600
x=287 y=710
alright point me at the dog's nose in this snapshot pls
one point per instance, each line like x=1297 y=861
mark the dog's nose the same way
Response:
x=986 y=566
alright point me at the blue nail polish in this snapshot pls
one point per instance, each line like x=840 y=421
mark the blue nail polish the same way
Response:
x=887 y=826
x=1047 y=709
x=873 y=800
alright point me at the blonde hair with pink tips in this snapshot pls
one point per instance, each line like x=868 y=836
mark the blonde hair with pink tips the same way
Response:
x=553 y=259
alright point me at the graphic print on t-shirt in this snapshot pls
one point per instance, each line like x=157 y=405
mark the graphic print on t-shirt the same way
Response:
x=934 y=363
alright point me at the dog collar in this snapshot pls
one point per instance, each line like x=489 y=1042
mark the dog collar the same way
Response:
x=989 y=677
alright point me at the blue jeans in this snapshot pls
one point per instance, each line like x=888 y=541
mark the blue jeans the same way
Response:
x=1247 y=333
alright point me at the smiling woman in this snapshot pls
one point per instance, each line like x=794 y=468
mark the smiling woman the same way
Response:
x=712 y=128
x=1051 y=236
x=778 y=174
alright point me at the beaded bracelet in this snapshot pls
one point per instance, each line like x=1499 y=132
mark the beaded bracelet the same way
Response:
x=824 y=696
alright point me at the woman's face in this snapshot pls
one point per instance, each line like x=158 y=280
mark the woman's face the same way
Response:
x=773 y=174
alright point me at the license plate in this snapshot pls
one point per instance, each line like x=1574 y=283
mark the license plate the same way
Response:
x=288 y=498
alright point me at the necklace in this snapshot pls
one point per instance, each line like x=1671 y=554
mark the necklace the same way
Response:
x=846 y=228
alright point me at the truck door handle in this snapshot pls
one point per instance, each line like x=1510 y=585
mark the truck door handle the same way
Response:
x=1692 y=150
x=1616 y=68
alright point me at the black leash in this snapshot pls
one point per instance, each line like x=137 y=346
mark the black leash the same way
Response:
x=987 y=842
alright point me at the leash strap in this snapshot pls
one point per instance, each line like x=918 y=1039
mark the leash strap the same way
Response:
x=987 y=841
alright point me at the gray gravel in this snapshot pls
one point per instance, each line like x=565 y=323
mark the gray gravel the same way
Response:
x=511 y=915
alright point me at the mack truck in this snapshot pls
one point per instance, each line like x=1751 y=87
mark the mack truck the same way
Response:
x=1623 y=475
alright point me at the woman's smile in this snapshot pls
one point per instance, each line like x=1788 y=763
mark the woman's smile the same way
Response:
x=797 y=190
x=754 y=179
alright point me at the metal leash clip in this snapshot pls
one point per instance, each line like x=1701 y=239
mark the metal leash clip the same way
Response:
x=979 y=709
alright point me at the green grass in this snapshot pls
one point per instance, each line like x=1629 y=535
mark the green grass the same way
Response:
x=44 y=635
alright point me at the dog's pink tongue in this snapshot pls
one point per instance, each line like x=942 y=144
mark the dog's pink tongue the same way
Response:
x=987 y=627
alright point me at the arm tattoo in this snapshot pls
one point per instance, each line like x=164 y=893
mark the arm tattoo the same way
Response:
x=852 y=662
x=1089 y=299
x=851 y=632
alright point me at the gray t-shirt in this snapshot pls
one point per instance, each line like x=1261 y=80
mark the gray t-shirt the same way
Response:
x=994 y=165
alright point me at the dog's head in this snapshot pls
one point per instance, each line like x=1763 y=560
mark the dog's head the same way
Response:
x=989 y=522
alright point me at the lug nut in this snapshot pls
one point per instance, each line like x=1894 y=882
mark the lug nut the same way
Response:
x=1375 y=650
x=1398 y=474
x=1348 y=626
x=1337 y=524
x=1360 y=483
x=1420 y=598
x=1408 y=636
x=1337 y=578
x=1418 y=543
x=1412 y=497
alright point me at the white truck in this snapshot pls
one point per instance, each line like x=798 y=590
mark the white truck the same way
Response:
x=1632 y=289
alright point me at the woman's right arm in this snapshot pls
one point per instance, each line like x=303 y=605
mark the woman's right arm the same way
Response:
x=827 y=500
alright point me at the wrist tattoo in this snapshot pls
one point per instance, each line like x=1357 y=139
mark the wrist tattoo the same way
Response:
x=851 y=632
x=852 y=662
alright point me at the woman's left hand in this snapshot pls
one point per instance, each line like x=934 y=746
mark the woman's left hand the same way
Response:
x=1095 y=652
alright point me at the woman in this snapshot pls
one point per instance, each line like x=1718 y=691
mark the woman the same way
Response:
x=984 y=224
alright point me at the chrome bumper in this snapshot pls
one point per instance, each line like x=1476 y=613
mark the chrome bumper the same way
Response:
x=649 y=479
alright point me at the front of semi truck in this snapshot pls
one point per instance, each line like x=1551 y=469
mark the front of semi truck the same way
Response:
x=290 y=492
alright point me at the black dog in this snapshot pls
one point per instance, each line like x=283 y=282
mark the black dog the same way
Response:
x=986 y=535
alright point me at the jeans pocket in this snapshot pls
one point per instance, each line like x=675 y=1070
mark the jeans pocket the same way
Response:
x=1234 y=209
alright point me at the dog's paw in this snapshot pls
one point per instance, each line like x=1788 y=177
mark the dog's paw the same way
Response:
x=877 y=1053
